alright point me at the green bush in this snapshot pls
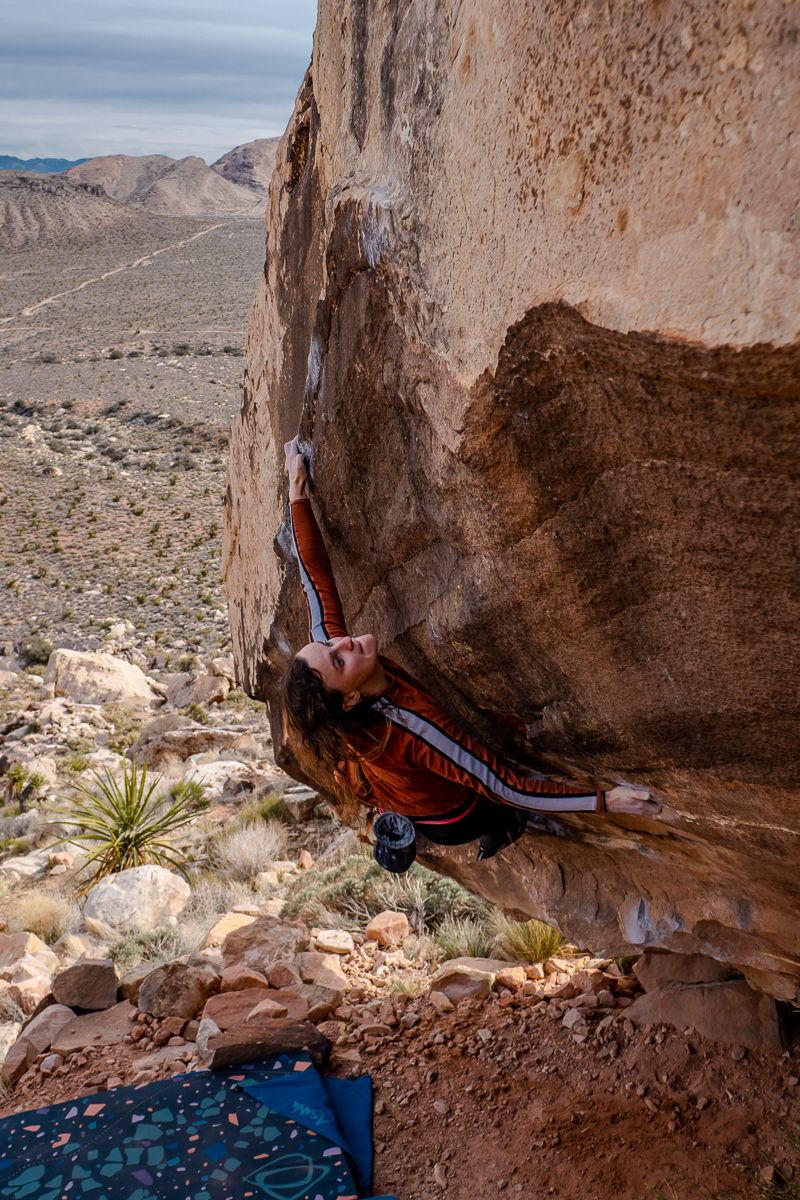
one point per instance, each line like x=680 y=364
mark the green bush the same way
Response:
x=357 y=889
x=156 y=946
x=34 y=651
x=116 y=354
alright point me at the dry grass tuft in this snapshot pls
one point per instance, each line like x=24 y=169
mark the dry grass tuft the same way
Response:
x=526 y=941
x=245 y=852
x=464 y=937
x=48 y=916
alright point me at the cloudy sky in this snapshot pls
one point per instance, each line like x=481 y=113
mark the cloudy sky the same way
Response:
x=85 y=77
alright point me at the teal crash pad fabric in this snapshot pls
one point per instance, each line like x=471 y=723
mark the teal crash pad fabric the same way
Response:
x=275 y=1130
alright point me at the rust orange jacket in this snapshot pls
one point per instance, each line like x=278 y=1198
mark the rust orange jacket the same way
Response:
x=429 y=768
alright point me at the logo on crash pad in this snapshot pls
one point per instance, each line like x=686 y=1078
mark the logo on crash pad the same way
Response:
x=289 y=1177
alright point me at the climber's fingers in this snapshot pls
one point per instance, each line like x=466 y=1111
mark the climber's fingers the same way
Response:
x=633 y=800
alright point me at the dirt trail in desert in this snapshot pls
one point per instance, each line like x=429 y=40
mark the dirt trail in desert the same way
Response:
x=138 y=262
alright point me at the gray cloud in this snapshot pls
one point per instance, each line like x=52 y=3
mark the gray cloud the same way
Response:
x=157 y=76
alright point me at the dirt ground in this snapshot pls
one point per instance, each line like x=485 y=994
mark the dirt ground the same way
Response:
x=497 y=1098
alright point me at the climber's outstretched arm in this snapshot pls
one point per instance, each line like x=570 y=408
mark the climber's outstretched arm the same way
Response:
x=441 y=747
x=325 y=615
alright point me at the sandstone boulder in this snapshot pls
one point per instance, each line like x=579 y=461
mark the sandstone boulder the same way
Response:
x=231 y=1009
x=256 y=1042
x=225 y=925
x=335 y=941
x=223 y=666
x=17 y=946
x=223 y=778
x=461 y=983
x=388 y=929
x=89 y=984
x=139 y=899
x=41 y=1030
x=178 y=989
x=654 y=969
x=236 y=979
x=313 y=967
x=24 y=866
x=132 y=981
x=105 y=1028
x=300 y=803
x=570 y=332
x=263 y=942
x=727 y=1011
x=9 y=1032
x=512 y=978
x=197 y=689
x=96 y=678
x=268 y=1009
x=320 y=999
x=172 y=739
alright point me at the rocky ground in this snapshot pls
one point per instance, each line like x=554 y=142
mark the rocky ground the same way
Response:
x=490 y=1076
x=115 y=401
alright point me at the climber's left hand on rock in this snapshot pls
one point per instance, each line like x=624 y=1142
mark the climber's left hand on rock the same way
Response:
x=632 y=800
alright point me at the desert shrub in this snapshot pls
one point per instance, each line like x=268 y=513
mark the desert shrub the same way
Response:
x=357 y=888
x=115 y=353
x=156 y=946
x=15 y=846
x=34 y=651
x=48 y=916
x=246 y=851
x=126 y=727
x=270 y=807
x=459 y=937
x=10 y=1011
x=196 y=712
x=128 y=823
x=406 y=985
x=76 y=764
x=526 y=941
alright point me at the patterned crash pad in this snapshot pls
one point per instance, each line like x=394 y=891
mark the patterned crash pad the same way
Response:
x=275 y=1131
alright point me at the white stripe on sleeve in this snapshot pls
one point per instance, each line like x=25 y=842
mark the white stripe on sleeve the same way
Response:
x=438 y=740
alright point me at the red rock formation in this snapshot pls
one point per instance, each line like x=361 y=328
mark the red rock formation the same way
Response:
x=530 y=297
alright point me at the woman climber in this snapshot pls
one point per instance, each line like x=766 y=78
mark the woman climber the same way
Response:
x=387 y=742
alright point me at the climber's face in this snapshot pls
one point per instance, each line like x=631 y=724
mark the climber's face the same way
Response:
x=345 y=664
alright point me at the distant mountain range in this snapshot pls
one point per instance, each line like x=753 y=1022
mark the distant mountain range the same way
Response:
x=42 y=166
x=111 y=192
x=102 y=190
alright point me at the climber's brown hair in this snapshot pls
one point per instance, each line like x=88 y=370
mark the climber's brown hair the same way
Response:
x=336 y=736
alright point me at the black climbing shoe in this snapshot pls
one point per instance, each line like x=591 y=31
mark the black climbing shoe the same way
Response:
x=498 y=839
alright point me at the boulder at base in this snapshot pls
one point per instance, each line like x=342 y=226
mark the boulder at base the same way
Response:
x=89 y=983
x=728 y=1011
x=138 y=900
x=94 y=678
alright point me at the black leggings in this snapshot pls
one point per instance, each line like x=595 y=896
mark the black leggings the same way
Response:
x=479 y=818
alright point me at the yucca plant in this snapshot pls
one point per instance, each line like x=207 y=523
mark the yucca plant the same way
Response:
x=128 y=822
